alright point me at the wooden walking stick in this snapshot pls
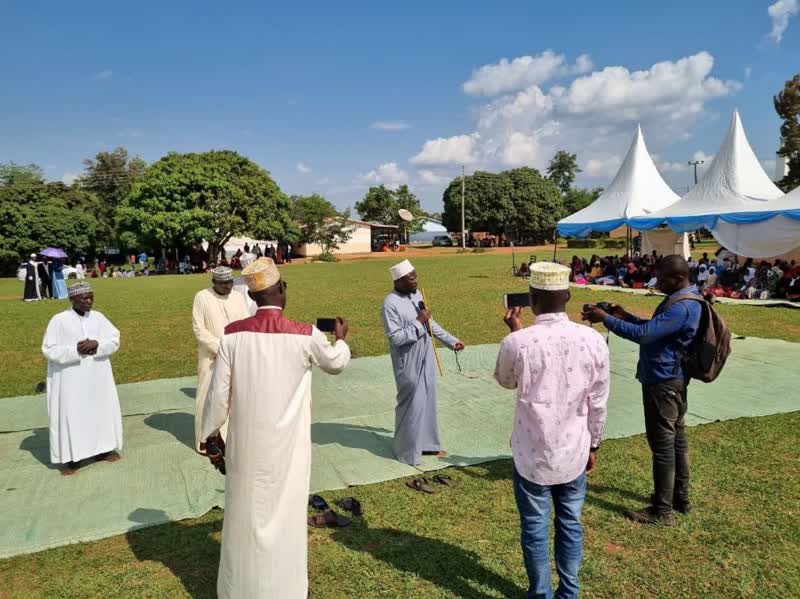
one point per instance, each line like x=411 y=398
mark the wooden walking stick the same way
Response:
x=433 y=340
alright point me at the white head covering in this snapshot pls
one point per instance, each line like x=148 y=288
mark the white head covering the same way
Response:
x=247 y=259
x=703 y=275
x=261 y=274
x=79 y=289
x=400 y=270
x=33 y=256
x=549 y=276
x=222 y=273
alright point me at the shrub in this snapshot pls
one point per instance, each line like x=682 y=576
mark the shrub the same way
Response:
x=326 y=257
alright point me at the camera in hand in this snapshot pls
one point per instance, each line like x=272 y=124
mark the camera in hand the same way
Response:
x=326 y=325
x=517 y=300
x=213 y=449
x=606 y=307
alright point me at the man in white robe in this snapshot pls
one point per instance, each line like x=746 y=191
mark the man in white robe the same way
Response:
x=82 y=403
x=213 y=309
x=240 y=285
x=410 y=329
x=262 y=382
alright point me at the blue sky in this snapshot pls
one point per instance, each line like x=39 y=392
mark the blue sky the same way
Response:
x=335 y=96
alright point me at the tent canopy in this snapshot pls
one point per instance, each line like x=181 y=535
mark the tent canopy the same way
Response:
x=735 y=184
x=637 y=190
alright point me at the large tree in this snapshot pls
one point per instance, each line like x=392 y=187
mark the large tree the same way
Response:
x=187 y=198
x=35 y=214
x=320 y=223
x=520 y=199
x=382 y=205
x=787 y=105
x=578 y=199
x=110 y=176
x=562 y=170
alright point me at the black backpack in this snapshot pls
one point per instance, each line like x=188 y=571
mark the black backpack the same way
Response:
x=712 y=344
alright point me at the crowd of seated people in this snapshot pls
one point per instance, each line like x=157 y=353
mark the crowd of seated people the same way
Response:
x=721 y=275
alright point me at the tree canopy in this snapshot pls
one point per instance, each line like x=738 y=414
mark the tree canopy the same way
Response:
x=320 y=223
x=562 y=170
x=578 y=199
x=787 y=105
x=186 y=198
x=382 y=205
x=521 y=199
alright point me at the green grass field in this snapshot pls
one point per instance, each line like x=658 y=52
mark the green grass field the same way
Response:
x=743 y=539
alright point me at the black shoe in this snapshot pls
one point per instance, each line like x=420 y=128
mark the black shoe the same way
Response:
x=682 y=506
x=649 y=516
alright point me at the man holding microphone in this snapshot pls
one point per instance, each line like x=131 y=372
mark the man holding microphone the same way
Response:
x=560 y=370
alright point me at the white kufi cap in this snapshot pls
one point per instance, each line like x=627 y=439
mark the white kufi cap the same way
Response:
x=400 y=270
x=549 y=276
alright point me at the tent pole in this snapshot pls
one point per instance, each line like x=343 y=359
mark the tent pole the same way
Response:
x=555 y=243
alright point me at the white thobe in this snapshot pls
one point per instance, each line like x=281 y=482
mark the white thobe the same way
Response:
x=240 y=286
x=262 y=381
x=211 y=313
x=82 y=402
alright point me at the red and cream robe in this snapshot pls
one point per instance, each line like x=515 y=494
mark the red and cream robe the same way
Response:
x=262 y=386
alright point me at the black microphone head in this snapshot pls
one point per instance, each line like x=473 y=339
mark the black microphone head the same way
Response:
x=421 y=305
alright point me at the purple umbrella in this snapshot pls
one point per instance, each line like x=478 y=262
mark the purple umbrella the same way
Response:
x=53 y=253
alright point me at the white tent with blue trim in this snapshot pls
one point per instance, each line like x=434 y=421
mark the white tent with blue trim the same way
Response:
x=637 y=190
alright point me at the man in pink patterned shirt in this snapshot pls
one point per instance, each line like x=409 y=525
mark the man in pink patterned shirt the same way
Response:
x=560 y=370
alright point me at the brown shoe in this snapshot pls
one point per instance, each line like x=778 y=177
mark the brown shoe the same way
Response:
x=648 y=516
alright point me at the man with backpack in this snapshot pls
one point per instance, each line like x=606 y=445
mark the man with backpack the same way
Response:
x=684 y=339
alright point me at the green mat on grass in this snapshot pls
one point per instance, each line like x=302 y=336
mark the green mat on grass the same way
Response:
x=160 y=477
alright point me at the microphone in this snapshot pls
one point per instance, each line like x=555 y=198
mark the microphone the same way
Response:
x=427 y=325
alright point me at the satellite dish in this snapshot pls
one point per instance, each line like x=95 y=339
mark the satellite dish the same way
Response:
x=405 y=215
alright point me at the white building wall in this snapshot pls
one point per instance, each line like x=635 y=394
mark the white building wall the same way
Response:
x=359 y=243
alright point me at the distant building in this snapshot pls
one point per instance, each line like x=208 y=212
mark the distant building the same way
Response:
x=366 y=238
x=431 y=228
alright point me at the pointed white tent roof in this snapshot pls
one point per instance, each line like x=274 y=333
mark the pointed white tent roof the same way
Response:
x=637 y=190
x=734 y=183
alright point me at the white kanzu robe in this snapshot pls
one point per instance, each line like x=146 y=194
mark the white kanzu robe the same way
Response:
x=262 y=386
x=82 y=402
x=211 y=313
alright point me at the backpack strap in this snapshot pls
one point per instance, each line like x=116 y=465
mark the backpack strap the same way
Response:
x=669 y=302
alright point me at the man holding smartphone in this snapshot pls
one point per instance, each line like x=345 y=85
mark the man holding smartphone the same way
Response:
x=560 y=370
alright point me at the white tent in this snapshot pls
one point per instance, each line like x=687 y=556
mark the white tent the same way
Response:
x=735 y=183
x=637 y=190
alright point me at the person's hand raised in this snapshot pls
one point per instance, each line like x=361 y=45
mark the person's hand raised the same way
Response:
x=424 y=316
x=513 y=319
x=341 y=328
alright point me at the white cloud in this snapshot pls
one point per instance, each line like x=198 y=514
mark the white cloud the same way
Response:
x=103 y=75
x=323 y=181
x=429 y=177
x=388 y=174
x=769 y=166
x=69 y=178
x=665 y=166
x=593 y=115
x=747 y=72
x=390 y=125
x=700 y=155
x=780 y=12
x=302 y=168
x=522 y=72
x=458 y=149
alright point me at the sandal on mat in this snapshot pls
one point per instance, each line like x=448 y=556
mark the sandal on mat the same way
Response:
x=421 y=485
x=318 y=503
x=352 y=505
x=329 y=519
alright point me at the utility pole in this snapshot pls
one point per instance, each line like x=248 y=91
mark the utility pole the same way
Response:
x=694 y=164
x=463 y=228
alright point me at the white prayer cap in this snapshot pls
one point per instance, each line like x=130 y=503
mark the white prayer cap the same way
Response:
x=247 y=259
x=400 y=270
x=79 y=289
x=222 y=273
x=549 y=276
x=261 y=274
x=33 y=256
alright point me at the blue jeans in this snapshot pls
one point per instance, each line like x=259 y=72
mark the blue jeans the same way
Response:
x=533 y=502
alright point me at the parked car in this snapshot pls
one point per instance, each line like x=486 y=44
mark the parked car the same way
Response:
x=443 y=241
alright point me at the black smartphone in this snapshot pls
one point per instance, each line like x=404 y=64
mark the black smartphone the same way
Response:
x=517 y=300
x=326 y=325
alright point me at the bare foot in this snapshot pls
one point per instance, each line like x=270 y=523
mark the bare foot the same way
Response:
x=111 y=456
x=70 y=468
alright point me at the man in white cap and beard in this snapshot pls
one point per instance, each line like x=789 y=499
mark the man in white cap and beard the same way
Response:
x=410 y=329
x=82 y=403
x=262 y=380
x=213 y=309
x=240 y=285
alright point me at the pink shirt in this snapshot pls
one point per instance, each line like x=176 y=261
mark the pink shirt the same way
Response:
x=560 y=370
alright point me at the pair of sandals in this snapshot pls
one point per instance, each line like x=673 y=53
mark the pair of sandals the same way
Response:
x=330 y=519
x=423 y=485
